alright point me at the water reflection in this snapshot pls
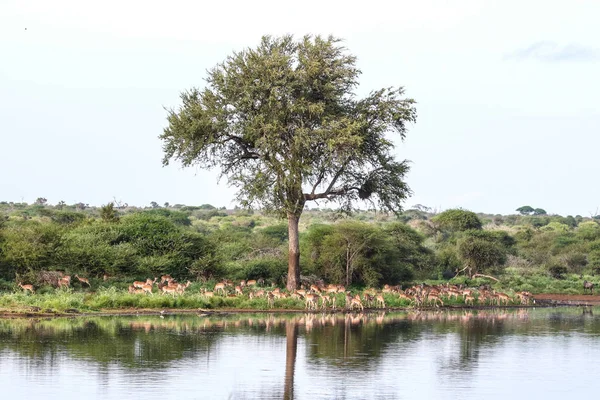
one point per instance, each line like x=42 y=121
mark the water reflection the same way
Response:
x=242 y=356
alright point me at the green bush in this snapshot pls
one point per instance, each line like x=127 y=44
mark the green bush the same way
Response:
x=457 y=220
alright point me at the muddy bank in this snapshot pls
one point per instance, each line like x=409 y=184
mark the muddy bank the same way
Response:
x=567 y=299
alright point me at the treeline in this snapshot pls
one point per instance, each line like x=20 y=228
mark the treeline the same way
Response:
x=367 y=248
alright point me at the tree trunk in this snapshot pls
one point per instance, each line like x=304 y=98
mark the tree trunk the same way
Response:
x=347 y=265
x=293 y=278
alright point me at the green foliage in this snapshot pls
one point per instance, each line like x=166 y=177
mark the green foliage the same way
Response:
x=282 y=117
x=303 y=87
x=67 y=217
x=537 y=221
x=108 y=213
x=177 y=217
x=28 y=246
x=479 y=253
x=457 y=220
x=525 y=210
x=146 y=243
x=278 y=232
x=556 y=227
x=593 y=259
x=556 y=269
x=589 y=230
x=539 y=211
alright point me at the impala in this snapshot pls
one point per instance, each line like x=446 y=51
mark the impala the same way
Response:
x=208 y=294
x=502 y=297
x=588 y=286
x=435 y=299
x=298 y=296
x=220 y=287
x=380 y=301
x=348 y=300
x=139 y=284
x=147 y=288
x=405 y=297
x=324 y=300
x=27 y=287
x=315 y=289
x=469 y=299
x=182 y=286
x=311 y=301
x=356 y=302
x=134 y=290
x=239 y=291
x=333 y=301
x=251 y=282
x=270 y=300
x=166 y=278
x=168 y=289
x=331 y=289
x=83 y=280
x=64 y=282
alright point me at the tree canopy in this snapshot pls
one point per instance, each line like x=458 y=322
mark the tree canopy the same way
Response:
x=282 y=123
x=457 y=220
x=525 y=210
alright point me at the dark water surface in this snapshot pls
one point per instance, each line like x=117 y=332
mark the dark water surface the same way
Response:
x=534 y=353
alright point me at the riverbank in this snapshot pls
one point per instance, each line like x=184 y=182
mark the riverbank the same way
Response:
x=32 y=311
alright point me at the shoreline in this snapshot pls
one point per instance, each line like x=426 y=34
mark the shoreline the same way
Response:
x=541 y=300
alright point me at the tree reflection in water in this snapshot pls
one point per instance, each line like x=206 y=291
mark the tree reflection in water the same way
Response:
x=352 y=342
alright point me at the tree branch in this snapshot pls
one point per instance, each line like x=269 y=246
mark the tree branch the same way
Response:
x=486 y=276
x=329 y=191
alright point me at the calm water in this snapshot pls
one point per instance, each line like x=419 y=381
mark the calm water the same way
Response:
x=446 y=355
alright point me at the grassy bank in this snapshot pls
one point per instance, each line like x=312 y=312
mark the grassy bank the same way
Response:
x=118 y=298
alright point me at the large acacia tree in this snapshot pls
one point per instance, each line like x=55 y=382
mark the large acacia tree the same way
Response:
x=282 y=123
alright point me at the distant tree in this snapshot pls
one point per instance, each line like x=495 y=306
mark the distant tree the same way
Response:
x=81 y=206
x=569 y=220
x=421 y=207
x=525 y=210
x=278 y=232
x=478 y=254
x=347 y=252
x=166 y=204
x=61 y=204
x=154 y=204
x=283 y=124
x=207 y=207
x=457 y=220
x=41 y=201
x=539 y=211
x=108 y=213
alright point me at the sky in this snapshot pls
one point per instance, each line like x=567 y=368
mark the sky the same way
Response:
x=508 y=94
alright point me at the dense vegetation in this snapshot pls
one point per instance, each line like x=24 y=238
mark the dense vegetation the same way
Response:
x=202 y=243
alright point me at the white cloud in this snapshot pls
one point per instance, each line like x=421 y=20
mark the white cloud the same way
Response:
x=553 y=52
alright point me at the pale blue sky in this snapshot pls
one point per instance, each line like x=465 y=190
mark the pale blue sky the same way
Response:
x=508 y=94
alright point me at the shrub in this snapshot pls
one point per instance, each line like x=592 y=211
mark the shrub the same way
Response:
x=457 y=220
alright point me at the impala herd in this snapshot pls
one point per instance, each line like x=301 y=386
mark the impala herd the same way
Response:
x=321 y=297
